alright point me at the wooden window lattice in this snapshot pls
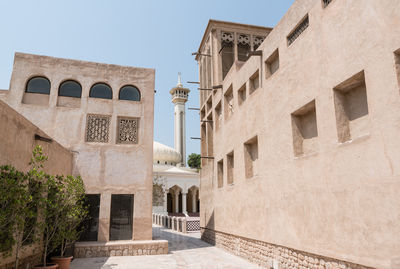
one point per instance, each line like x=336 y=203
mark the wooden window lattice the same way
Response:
x=128 y=130
x=97 y=128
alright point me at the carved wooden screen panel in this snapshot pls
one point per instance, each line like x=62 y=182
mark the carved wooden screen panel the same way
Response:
x=97 y=128
x=127 y=130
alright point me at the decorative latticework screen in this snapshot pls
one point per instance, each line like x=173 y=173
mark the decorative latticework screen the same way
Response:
x=97 y=128
x=127 y=130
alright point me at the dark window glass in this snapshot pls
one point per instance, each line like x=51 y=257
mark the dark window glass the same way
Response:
x=38 y=85
x=70 y=88
x=130 y=93
x=91 y=224
x=101 y=90
x=121 y=217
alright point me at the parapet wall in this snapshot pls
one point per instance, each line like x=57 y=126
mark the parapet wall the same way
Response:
x=17 y=140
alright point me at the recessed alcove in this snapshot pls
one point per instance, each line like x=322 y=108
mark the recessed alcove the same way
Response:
x=230 y=165
x=203 y=142
x=64 y=101
x=351 y=108
x=228 y=103
x=254 y=82
x=210 y=136
x=218 y=116
x=397 y=63
x=272 y=64
x=36 y=99
x=251 y=157
x=242 y=94
x=220 y=173
x=304 y=130
x=209 y=104
x=203 y=112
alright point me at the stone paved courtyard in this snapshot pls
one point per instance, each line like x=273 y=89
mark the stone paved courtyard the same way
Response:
x=185 y=251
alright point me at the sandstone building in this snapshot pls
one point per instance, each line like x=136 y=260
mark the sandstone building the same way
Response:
x=103 y=114
x=300 y=139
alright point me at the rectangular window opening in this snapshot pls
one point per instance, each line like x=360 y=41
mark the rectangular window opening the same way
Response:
x=351 y=108
x=208 y=61
x=226 y=52
x=242 y=94
x=121 y=219
x=91 y=223
x=251 y=157
x=220 y=167
x=230 y=167
x=210 y=134
x=272 y=64
x=298 y=30
x=304 y=130
x=397 y=63
x=243 y=46
x=254 y=82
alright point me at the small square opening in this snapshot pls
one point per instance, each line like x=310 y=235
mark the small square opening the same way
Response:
x=220 y=168
x=230 y=163
x=272 y=64
x=351 y=108
x=242 y=94
x=254 y=82
x=251 y=157
x=304 y=130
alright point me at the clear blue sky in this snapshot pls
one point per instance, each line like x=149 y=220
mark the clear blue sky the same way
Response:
x=155 y=34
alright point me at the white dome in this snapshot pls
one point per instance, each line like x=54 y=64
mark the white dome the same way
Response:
x=163 y=153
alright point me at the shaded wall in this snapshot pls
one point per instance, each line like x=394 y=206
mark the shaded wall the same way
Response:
x=17 y=140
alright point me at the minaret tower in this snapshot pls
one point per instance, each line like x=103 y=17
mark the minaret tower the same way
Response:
x=179 y=98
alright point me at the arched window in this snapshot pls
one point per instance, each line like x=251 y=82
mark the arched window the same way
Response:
x=130 y=93
x=70 y=88
x=38 y=85
x=101 y=90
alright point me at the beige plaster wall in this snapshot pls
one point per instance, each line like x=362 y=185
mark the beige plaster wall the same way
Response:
x=106 y=168
x=341 y=201
x=17 y=140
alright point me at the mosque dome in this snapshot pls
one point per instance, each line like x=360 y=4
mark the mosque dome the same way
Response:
x=163 y=154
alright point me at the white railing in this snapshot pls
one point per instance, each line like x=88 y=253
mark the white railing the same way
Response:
x=179 y=224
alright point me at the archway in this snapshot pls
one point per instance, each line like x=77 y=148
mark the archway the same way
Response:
x=174 y=200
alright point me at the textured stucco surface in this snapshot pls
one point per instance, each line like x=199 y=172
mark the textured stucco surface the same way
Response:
x=341 y=201
x=17 y=140
x=106 y=168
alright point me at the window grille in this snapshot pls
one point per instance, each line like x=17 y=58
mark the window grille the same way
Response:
x=298 y=30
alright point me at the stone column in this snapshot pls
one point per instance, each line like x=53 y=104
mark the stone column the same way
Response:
x=176 y=202
x=194 y=202
x=184 y=203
